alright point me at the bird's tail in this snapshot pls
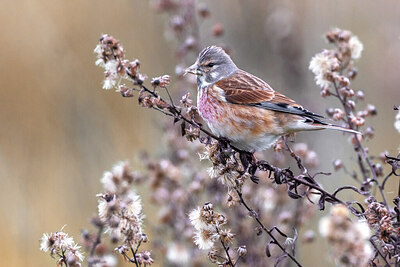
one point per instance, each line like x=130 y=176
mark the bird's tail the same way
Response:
x=338 y=128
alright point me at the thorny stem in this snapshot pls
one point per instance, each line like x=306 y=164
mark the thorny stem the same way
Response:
x=228 y=257
x=269 y=232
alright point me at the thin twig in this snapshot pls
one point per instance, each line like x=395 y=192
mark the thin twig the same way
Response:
x=129 y=259
x=360 y=150
x=226 y=249
x=95 y=243
x=379 y=252
x=276 y=242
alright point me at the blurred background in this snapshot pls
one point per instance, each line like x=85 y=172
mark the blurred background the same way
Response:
x=60 y=131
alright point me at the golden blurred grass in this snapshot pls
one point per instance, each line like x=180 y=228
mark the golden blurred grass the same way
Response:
x=59 y=131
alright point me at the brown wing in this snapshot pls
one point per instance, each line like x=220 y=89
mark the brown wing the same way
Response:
x=245 y=88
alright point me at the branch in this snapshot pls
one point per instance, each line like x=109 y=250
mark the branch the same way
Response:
x=226 y=249
x=269 y=232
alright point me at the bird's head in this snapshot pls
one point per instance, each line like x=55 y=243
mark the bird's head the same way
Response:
x=212 y=65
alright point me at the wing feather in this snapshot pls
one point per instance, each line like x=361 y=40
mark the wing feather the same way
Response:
x=246 y=89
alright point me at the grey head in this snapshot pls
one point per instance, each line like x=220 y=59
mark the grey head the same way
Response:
x=212 y=65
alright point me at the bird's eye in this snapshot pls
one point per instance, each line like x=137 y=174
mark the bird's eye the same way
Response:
x=210 y=65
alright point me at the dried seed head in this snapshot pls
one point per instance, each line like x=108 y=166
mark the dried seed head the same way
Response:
x=346 y=92
x=213 y=255
x=325 y=92
x=351 y=104
x=309 y=236
x=218 y=30
x=360 y=95
x=226 y=236
x=378 y=169
x=338 y=114
x=358 y=121
x=352 y=74
x=204 y=12
x=190 y=43
x=242 y=251
x=369 y=132
x=371 y=110
x=337 y=164
x=330 y=112
x=177 y=24
x=133 y=68
x=162 y=81
x=208 y=206
x=300 y=149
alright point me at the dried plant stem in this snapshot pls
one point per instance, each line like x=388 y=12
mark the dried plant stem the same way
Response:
x=129 y=259
x=175 y=112
x=228 y=257
x=379 y=252
x=269 y=232
x=95 y=243
x=360 y=150
x=134 y=254
x=297 y=158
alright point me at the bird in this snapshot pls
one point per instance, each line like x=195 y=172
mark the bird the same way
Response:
x=244 y=109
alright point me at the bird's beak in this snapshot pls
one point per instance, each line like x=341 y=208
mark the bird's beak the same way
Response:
x=193 y=70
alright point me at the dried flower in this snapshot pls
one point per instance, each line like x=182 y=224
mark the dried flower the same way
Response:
x=218 y=29
x=232 y=199
x=346 y=91
x=323 y=65
x=397 y=122
x=192 y=133
x=349 y=241
x=338 y=114
x=360 y=95
x=62 y=246
x=242 y=251
x=144 y=258
x=199 y=220
x=325 y=92
x=309 y=236
x=133 y=67
x=162 y=81
x=226 y=236
x=337 y=164
x=204 y=12
x=204 y=239
x=371 y=110
x=177 y=24
x=300 y=149
x=358 y=121
x=356 y=47
x=178 y=254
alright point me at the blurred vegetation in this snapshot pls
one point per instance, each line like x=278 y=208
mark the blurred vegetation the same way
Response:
x=60 y=131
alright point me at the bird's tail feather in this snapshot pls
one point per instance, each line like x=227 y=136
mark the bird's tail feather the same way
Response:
x=338 y=128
